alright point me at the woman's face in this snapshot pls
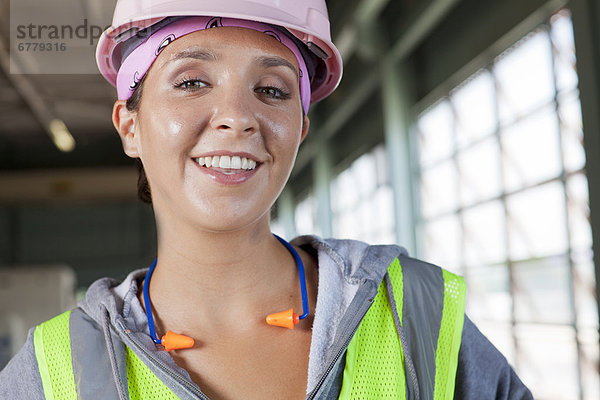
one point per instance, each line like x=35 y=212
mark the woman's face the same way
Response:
x=218 y=127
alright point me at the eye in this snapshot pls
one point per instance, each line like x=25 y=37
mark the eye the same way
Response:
x=190 y=84
x=273 y=92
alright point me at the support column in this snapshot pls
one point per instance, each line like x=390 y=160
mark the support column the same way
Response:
x=322 y=180
x=286 y=213
x=397 y=143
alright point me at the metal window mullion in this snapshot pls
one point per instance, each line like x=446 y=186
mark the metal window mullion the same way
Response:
x=502 y=198
x=563 y=179
x=457 y=191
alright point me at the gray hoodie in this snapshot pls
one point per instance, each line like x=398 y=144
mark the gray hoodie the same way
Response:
x=349 y=274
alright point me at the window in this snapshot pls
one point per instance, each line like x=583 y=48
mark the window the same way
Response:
x=306 y=216
x=362 y=200
x=505 y=203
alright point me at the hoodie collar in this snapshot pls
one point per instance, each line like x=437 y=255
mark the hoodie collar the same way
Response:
x=344 y=268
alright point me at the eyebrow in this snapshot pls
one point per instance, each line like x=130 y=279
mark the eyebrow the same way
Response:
x=268 y=62
x=205 y=55
x=196 y=54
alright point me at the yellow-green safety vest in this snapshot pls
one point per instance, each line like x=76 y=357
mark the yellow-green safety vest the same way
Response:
x=375 y=365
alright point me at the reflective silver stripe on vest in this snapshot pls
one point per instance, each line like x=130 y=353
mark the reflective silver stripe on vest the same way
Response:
x=91 y=365
x=421 y=318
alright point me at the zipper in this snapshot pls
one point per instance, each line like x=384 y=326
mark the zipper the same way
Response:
x=162 y=366
x=349 y=335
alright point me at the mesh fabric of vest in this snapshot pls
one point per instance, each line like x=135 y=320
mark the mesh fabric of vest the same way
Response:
x=374 y=359
x=52 y=346
x=448 y=345
x=143 y=383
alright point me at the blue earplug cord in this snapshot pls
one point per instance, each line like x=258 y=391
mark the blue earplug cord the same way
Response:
x=288 y=246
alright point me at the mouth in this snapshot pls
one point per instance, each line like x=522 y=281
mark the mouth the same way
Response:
x=228 y=165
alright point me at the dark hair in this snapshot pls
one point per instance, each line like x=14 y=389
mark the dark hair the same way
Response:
x=143 y=188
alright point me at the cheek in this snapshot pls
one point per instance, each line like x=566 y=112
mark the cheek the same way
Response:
x=284 y=133
x=174 y=128
x=165 y=128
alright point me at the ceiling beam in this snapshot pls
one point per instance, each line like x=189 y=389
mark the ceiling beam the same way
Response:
x=68 y=185
x=421 y=26
x=365 y=12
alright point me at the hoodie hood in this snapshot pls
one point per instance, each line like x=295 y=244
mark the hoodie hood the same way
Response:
x=349 y=274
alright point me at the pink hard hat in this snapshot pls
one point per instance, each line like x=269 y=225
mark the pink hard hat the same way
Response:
x=306 y=20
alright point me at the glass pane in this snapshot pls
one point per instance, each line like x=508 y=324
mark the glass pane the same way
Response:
x=564 y=50
x=438 y=189
x=305 y=217
x=367 y=215
x=536 y=222
x=569 y=112
x=361 y=209
x=435 y=128
x=383 y=204
x=364 y=171
x=484 y=234
x=381 y=165
x=541 y=291
x=343 y=193
x=371 y=218
x=442 y=242
x=345 y=225
x=579 y=212
x=489 y=293
x=585 y=289
x=524 y=77
x=548 y=361
x=479 y=167
x=474 y=104
x=531 y=150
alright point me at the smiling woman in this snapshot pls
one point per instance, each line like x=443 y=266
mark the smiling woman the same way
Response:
x=213 y=103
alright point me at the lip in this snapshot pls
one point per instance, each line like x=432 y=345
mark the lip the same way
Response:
x=217 y=175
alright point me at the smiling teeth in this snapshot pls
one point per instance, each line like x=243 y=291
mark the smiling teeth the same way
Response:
x=226 y=162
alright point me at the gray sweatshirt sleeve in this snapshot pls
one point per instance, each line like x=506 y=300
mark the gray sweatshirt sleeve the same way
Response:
x=483 y=372
x=20 y=379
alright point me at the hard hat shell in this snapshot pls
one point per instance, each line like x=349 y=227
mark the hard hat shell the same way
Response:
x=307 y=20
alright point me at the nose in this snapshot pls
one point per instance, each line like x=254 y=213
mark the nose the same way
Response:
x=233 y=114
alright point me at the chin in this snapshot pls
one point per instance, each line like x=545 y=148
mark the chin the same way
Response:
x=226 y=226
x=228 y=219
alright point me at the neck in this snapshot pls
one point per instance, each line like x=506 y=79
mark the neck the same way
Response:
x=222 y=277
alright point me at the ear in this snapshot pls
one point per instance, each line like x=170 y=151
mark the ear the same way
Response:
x=305 y=126
x=125 y=124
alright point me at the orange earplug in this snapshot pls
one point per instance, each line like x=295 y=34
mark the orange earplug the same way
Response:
x=285 y=319
x=175 y=341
